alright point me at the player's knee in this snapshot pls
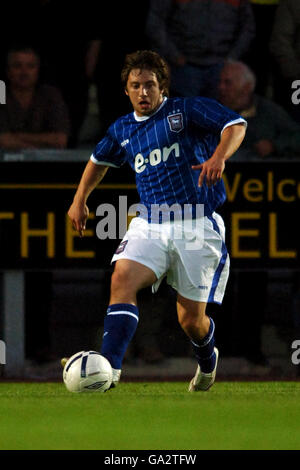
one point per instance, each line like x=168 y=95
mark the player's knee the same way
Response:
x=186 y=322
x=194 y=325
x=121 y=281
x=117 y=281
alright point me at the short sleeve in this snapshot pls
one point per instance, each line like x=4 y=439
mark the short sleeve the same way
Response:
x=108 y=151
x=212 y=116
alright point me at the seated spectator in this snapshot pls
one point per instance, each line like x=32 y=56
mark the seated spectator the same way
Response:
x=271 y=131
x=35 y=115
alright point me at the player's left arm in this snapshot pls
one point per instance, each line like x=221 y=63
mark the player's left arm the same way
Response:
x=213 y=168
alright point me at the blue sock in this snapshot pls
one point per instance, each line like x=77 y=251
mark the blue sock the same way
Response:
x=120 y=324
x=204 y=350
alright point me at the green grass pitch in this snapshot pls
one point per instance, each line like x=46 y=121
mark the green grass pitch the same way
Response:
x=151 y=416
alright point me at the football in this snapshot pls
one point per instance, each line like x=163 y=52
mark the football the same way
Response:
x=87 y=371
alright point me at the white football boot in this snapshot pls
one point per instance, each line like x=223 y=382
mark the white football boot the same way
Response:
x=116 y=377
x=202 y=381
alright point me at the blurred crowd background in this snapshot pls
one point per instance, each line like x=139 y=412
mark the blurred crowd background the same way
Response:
x=244 y=53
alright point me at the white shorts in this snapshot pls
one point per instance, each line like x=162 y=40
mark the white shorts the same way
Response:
x=195 y=262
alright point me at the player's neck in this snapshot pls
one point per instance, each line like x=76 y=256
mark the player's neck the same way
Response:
x=147 y=116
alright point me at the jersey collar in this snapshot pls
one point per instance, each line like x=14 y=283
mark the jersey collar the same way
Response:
x=144 y=118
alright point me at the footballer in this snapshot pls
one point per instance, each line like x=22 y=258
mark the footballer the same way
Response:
x=177 y=148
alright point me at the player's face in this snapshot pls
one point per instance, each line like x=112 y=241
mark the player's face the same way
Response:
x=23 y=70
x=144 y=91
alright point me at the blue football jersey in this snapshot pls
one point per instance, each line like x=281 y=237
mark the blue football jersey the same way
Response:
x=161 y=149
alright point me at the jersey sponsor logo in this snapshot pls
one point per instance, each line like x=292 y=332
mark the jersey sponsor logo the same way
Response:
x=155 y=157
x=175 y=122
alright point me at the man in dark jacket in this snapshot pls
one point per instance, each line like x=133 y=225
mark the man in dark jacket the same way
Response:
x=35 y=114
x=285 y=49
x=195 y=37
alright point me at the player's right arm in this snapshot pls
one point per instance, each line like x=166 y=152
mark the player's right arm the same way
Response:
x=79 y=211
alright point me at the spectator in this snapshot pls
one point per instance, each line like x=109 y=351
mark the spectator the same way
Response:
x=196 y=37
x=35 y=115
x=71 y=54
x=285 y=48
x=271 y=131
x=259 y=57
x=67 y=38
x=112 y=101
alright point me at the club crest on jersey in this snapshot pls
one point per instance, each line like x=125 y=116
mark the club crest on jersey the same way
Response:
x=175 y=122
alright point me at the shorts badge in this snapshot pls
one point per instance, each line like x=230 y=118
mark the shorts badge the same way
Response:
x=121 y=247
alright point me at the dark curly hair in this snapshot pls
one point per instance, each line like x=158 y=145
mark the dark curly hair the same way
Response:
x=148 y=60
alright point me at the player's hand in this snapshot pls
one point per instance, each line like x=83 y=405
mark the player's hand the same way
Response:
x=78 y=214
x=211 y=170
